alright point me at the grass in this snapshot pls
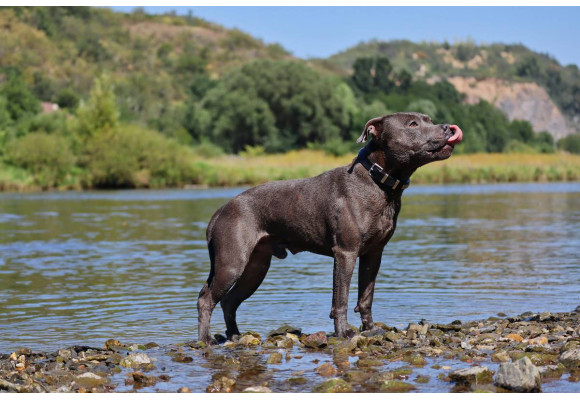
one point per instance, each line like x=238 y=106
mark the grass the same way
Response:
x=471 y=168
x=232 y=170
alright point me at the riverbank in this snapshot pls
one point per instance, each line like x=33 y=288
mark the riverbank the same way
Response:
x=529 y=352
x=252 y=170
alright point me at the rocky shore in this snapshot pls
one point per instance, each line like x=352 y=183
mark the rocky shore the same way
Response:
x=531 y=352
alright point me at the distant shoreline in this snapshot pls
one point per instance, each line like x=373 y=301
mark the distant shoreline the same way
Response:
x=236 y=171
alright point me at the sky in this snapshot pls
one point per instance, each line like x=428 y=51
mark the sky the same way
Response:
x=322 y=31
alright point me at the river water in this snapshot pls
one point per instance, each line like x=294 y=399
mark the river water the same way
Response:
x=83 y=267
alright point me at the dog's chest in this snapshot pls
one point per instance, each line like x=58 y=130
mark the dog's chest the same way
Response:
x=382 y=228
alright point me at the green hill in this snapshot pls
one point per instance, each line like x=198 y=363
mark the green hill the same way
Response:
x=145 y=100
x=153 y=59
x=513 y=63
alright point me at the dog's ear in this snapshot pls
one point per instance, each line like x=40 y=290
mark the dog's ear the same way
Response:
x=372 y=127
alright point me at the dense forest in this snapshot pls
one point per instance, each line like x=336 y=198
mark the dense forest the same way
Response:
x=96 y=98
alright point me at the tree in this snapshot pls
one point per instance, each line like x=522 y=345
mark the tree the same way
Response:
x=100 y=113
x=297 y=106
x=570 y=143
x=383 y=69
x=20 y=101
x=405 y=79
x=529 y=68
x=362 y=77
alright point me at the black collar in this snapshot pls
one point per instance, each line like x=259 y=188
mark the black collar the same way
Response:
x=381 y=178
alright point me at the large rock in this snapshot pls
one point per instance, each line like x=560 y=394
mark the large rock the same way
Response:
x=472 y=375
x=571 y=358
x=519 y=376
x=135 y=360
x=315 y=341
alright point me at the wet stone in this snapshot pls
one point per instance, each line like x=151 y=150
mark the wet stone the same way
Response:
x=326 y=370
x=275 y=358
x=181 y=358
x=422 y=379
x=221 y=385
x=257 y=389
x=315 y=341
x=284 y=329
x=396 y=386
x=472 y=375
x=135 y=360
x=249 y=340
x=551 y=371
x=519 y=376
x=297 y=380
x=500 y=356
x=376 y=331
x=381 y=377
x=402 y=373
x=571 y=358
x=109 y=344
x=141 y=380
x=368 y=363
x=356 y=376
x=89 y=380
x=334 y=385
x=415 y=359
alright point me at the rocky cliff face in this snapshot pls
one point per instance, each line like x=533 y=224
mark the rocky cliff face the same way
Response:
x=527 y=101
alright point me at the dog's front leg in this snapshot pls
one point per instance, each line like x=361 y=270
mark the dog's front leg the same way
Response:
x=344 y=263
x=368 y=268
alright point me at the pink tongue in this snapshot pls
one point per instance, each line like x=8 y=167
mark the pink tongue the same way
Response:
x=457 y=136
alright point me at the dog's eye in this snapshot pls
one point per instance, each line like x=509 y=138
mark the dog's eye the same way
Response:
x=413 y=124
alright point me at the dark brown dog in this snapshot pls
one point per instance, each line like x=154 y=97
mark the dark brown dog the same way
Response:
x=344 y=213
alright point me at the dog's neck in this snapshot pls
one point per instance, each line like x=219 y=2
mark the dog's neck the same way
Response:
x=379 y=155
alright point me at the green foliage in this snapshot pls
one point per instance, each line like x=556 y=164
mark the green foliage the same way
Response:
x=20 y=101
x=131 y=156
x=466 y=51
x=423 y=106
x=67 y=98
x=383 y=69
x=100 y=112
x=570 y=143
x=5 y=119
x=362 y=76
x=48 y=157
x=160 y=100
x=207 y=149
x=275 y=104
x=529 y=68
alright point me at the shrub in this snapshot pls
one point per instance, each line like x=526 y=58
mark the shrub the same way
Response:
x=207 y=149
x=132 y=157
x=570 y=143
x=48 y=157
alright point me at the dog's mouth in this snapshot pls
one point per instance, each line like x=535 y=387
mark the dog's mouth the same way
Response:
x=455 y=138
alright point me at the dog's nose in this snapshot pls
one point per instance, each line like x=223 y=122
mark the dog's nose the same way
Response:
x=445 y=127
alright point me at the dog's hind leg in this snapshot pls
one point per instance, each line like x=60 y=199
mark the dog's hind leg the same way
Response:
x=251 y=279
x=228 y=262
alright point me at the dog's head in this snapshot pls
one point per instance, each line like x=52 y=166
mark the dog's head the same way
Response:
x=411 y=138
